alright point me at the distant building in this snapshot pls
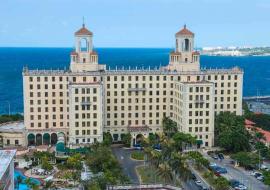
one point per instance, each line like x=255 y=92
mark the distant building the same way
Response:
x=250 y=126
x=7 y=169
x=12 y=135
x=83 y=102
x=259 y=107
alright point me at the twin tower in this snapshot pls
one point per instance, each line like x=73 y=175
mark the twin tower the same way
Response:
x=183 y=58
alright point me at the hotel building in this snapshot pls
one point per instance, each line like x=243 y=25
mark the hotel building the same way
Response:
x=83 y=102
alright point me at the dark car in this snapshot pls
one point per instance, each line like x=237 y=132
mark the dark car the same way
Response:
x=220 y=156
x=138 y=146
x=193 y=176
x=221 y=170
x=237 y=185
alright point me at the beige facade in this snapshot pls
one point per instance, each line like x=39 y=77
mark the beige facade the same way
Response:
x=87 y=100
x=12 y=135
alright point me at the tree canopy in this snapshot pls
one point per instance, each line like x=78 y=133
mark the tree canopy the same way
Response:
x=230 y=132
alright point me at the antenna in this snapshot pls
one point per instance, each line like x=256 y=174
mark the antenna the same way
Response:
x=83 y=22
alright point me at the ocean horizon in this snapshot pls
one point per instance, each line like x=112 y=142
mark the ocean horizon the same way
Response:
x=13 y=59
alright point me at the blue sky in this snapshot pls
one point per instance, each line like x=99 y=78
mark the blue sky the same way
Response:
x=134 y=23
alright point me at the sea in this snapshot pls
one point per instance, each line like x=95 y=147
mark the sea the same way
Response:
x=12 y=60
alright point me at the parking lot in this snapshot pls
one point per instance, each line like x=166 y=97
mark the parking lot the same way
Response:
x=237 y=173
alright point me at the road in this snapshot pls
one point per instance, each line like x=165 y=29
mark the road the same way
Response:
x=238 y=173
x=129 y=167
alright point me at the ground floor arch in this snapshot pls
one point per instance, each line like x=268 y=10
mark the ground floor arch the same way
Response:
x=53 y=138
x=139 y=139
x=38 y=139
x=46 y=139
x=31 y=139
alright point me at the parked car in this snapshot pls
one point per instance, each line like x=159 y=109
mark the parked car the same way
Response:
x=198 y=182
x=193 y=176
x=214 y=156
x=220 y=156
x=218 y=170
x=222 y=170
x=138 y=147
x=264 y=167
x=258 y=176
x=237 y=185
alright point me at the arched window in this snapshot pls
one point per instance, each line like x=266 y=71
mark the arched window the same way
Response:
x=186 y=44
x=84 y=44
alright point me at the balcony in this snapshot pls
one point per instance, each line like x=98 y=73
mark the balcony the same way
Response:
x=85 y=103
x=199 y=101
x=136 y=89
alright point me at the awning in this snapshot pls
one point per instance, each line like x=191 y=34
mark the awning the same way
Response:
x=199 y=142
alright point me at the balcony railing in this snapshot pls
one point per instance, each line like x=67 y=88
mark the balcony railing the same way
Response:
x=199 y=101
x=85 y=103
x=136 y=89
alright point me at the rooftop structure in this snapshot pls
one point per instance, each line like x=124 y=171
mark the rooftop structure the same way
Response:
x=7 y=169
x=14 y=127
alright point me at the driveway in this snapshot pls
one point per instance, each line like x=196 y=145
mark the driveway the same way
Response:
x=238 y=173
x=128 y=165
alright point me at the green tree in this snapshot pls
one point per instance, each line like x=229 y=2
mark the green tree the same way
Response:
x=221 y=183
x=74 y=162
x=246 y=159
x=230 y=132
x=182 y=140
x=169 y=126
x=165 y=172
x=127 y=139
x=8 y=118
x=107 y=138
x=45 y=164
x=266 y=175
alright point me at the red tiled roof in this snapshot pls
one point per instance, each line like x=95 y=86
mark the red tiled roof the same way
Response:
x=175 y=53
x=73 y=53
x=184 y=31
x=266 y=134
x=248 y=122
x=93 y=53
x=84 y=31
x=195 y=53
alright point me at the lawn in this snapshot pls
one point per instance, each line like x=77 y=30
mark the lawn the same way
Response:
x=148 y=175
x=137 y=155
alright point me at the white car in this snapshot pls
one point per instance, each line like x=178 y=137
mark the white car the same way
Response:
x=253 y=173
x=198 y=182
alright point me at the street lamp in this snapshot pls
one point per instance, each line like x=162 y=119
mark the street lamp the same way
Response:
x=8 y=107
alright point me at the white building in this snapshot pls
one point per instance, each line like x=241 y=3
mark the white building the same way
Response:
x=7 y=169
x=87 y=100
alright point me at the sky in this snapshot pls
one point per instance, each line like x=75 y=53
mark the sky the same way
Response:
x=134 y=23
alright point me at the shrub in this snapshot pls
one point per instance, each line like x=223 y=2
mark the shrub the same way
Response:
x=137 y=155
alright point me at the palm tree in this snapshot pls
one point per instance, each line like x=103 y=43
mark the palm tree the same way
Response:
x=28 y=182
x=155 y=158
x=19 y=181
x=165 y=172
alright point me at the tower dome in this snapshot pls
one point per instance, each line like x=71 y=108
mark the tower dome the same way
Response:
x=83 y=31
x=184 y=32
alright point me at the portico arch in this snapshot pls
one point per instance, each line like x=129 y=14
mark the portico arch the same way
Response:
x=53 y=138
x=31 y=139
x=38 y=139
x=46 y=139
x=139 y=138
